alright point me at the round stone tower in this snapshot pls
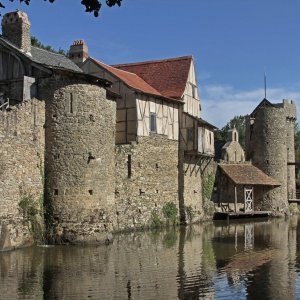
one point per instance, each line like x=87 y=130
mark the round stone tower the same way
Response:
x=268 y=153
x=80 y=159
x=270 y=146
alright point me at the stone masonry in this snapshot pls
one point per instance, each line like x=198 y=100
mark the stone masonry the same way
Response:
x=146 y=179
x=16 y=28
x=21 y=172
x=80 y=160
x=270 y=146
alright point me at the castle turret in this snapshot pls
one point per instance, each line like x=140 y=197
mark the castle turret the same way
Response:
x=16 y=29
x=270 y=146
x=78 y=52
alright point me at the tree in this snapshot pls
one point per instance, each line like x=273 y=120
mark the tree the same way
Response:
x=239 y=122
x=92 y=6
x=36 y=43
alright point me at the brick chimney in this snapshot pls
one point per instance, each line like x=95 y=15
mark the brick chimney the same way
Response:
x=78 y=52
x=16 y=29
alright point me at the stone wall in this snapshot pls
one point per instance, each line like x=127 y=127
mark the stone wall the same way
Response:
x=191 y=189
x=291 y=115
x=146 y=179
x=233 y=152
x=80 y=159
x=21 y=173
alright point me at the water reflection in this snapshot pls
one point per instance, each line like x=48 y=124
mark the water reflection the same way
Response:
x=212 y=261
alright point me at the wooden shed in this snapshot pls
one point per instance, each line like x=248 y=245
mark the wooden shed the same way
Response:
x=242 y=187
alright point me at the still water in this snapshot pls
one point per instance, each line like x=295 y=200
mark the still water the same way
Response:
x=253 y=260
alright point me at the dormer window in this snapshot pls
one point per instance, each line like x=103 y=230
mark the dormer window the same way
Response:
x=153 y=122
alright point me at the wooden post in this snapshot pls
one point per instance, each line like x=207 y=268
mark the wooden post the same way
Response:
x=235 y=198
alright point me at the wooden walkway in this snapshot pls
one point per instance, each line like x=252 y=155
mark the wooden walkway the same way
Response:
x=241 y=215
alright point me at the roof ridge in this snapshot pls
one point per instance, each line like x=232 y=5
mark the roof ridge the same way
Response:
x=154 y=61
x=54 y=53
x=111 y=66
x=126 y=72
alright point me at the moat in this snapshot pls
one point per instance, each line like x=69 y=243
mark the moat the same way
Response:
x=248 y=260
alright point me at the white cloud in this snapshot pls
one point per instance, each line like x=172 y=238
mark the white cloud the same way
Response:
x=220 y=103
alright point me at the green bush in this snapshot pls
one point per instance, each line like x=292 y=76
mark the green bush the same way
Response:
x=155 y=220
x=190 y=213
x=170 y=212
x=32 y=212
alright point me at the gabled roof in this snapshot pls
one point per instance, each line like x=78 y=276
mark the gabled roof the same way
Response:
x=242 y=174
x=168 y=76
x=45 y=58
x=131 y=80
x=263 y=103
x=53 y=60
x=201 y=121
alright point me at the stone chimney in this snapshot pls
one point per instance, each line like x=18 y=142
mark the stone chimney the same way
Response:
x=78 y=52
x=16 y=29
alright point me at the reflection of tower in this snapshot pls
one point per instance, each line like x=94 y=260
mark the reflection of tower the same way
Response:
x=276 y=279
x=195 y=263
x=270 y=146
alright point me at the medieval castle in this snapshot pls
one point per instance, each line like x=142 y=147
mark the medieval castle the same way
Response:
x=88 y=149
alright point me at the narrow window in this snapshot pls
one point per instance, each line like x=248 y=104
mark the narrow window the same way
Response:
x=210 y=139
x=235 y=137
x=91 y=192
x=34 y=115
x=71 y=103
x=194 y=89
x=55 y=192
x=153 y=122
x=129 y=166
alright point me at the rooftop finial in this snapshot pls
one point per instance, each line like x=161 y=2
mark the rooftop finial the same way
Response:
x=265 y=82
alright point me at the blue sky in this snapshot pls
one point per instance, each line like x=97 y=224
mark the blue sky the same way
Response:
x=232 y=41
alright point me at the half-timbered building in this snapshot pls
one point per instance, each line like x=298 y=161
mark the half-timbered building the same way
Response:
x=158 y=104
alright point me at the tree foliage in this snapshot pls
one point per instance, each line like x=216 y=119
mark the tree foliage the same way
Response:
x=239 y=122
x=37 y=43
x=92 y=6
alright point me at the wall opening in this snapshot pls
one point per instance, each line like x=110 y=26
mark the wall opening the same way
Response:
x=71 y=103
x=129 y=166
x=91 y=192
x=55 y=192
x=153 y=122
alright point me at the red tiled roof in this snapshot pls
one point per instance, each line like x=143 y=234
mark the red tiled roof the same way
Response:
x=247 y=174
x=168 y=76
x=130 y=79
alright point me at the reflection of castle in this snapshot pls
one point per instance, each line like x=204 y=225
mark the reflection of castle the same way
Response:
x=247 y=261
